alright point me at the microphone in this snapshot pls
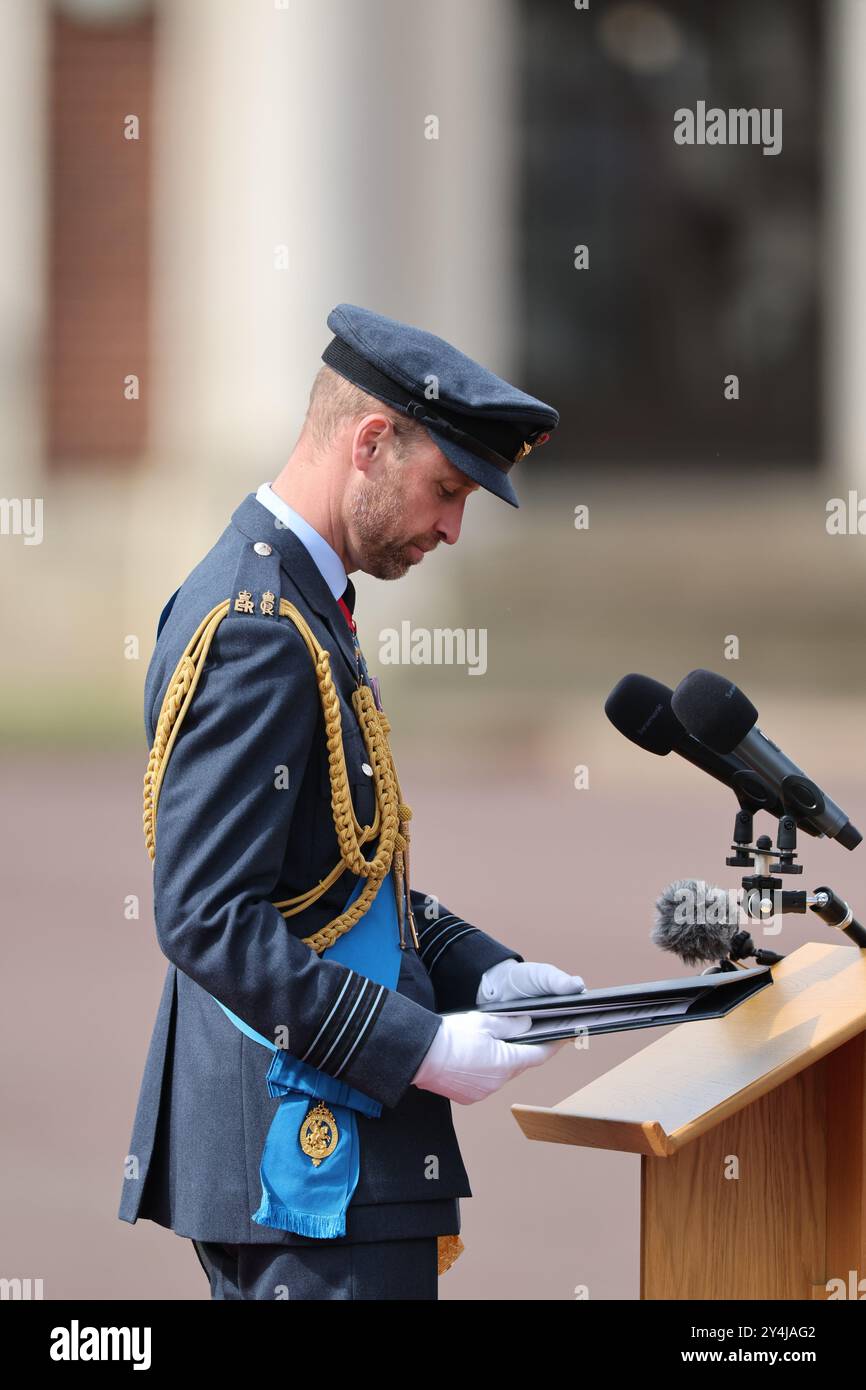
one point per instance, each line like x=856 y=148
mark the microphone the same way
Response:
x=698 y=922
x=717 y=713
x=640 y=708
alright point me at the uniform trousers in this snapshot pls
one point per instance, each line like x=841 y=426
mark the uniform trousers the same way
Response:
x=381 y=1269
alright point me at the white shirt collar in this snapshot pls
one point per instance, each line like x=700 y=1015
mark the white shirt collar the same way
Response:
x=326 y=559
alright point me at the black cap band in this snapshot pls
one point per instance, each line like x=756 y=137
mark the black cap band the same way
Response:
x=499 y=434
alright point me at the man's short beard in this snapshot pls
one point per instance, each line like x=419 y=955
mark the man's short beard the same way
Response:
x=378 y=512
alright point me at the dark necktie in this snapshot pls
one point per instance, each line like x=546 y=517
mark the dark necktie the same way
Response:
x=347 y=604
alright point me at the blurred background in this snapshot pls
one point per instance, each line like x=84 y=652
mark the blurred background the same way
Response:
x=189 y=188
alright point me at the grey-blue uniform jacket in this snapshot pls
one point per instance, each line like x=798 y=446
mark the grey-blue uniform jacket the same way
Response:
x=231 y=840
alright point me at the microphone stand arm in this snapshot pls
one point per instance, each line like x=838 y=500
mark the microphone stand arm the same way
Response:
x=832 y=909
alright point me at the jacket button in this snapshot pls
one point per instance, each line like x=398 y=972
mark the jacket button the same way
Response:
x=365 y=767
x=262 y=548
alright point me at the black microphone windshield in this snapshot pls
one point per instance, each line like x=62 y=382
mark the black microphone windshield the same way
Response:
x=713 y=710
x=640 y=708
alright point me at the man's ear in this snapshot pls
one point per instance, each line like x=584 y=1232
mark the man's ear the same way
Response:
x=370 y=433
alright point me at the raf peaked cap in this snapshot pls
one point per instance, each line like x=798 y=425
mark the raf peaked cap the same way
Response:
x=480 y=422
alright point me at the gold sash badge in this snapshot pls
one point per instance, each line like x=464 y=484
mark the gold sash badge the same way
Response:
x=318 y=1134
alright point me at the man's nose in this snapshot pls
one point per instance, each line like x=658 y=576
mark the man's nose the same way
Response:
x=450 y=521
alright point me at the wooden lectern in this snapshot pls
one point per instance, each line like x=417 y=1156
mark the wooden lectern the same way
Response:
x=752 y=1135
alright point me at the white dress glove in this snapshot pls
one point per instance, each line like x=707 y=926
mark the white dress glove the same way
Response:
x=469 y=1060
x=522 y=979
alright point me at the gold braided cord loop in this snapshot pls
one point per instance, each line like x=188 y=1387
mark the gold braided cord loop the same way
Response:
x=391 y=812
x=181 y=689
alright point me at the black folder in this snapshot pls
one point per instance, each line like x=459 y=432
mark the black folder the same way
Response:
x=620 y=1008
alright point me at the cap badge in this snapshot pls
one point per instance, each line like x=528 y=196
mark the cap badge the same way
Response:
x=527 y=448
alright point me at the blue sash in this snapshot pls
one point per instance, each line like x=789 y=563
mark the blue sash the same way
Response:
x=299 y=1194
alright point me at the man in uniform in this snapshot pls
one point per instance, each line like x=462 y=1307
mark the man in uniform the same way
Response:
x=280 y=843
